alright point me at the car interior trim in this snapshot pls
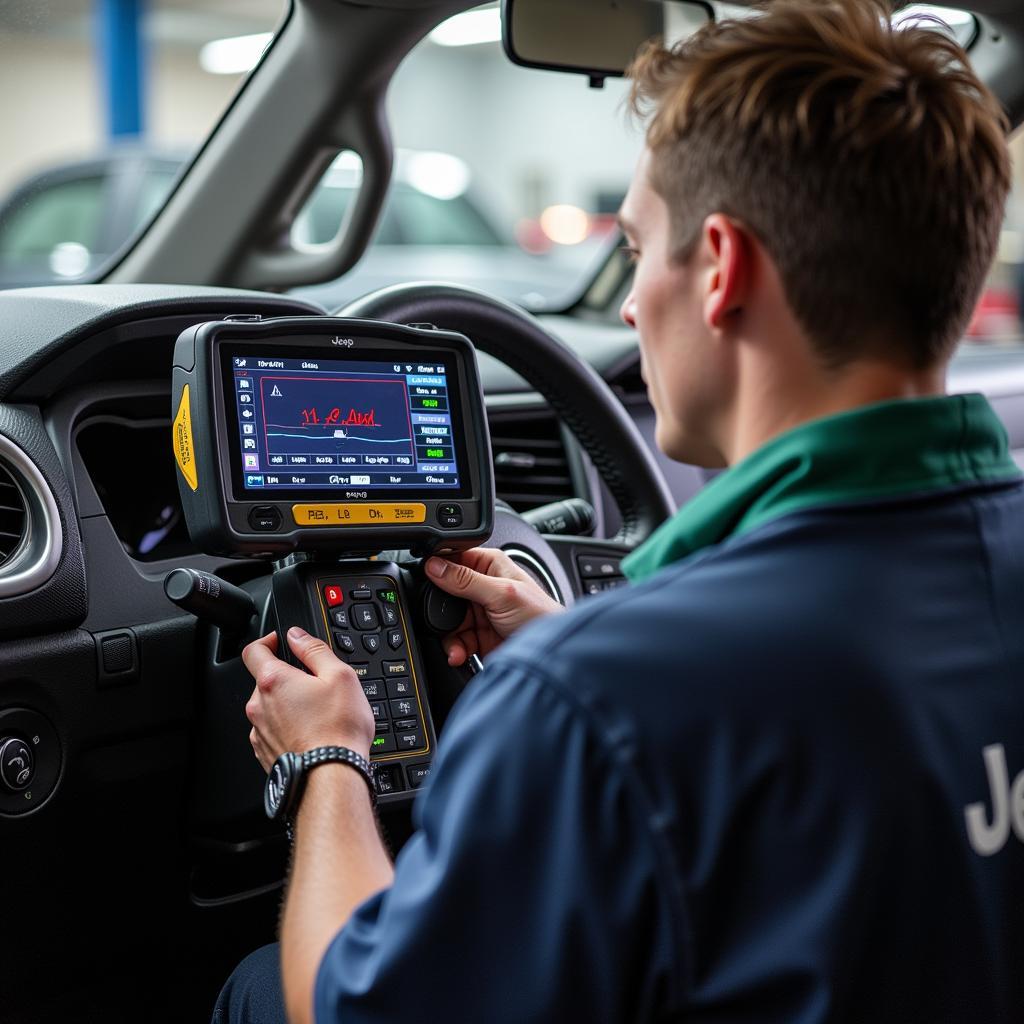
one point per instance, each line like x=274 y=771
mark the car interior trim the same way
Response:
x=37 y=559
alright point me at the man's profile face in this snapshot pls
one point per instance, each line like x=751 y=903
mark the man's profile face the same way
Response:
x=665 y=305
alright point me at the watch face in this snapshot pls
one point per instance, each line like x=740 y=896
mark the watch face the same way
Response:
x=275 y=794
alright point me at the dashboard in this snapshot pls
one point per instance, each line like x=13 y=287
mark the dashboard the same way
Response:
x=85 y=392
x=130 y=709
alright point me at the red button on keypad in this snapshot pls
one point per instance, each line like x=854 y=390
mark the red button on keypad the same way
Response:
x=333 y=595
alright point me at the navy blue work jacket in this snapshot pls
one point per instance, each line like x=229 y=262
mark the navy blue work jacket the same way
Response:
x=780 y=781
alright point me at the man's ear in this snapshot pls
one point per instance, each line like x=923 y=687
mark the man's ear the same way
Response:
x=729 y=255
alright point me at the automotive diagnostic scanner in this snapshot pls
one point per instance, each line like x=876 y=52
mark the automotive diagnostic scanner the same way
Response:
x=337 y=439
x=318 y=434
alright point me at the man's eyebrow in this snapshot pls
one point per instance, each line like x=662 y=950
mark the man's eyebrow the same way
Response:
x=624 y=225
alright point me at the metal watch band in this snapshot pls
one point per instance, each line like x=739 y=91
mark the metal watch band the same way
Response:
x=342 y=755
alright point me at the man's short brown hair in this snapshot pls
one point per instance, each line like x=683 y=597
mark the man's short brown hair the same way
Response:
x=869 y=160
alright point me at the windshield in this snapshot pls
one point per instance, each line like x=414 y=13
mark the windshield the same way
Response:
x=539 y=160
x=506 y=178
x=103 y=106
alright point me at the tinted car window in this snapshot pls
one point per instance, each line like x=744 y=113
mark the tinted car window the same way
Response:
x=70 y=127
x=68 y=211
x=428 y=220
x=410 y=217
x=154 y=190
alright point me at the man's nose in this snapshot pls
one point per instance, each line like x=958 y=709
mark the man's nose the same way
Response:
x=628 y=311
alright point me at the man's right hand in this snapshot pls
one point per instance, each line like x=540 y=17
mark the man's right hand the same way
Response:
x=502 y=598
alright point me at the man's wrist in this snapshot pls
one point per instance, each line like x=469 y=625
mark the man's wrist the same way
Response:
x=360 y=746
x=320 y=757
x=336 y=791
x=289 y=779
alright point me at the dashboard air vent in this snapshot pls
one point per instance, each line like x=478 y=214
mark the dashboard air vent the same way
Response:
x=531 y=467
x=13 y=516
x=31 y=539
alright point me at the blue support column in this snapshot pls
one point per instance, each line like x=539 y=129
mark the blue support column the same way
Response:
x=122 y=62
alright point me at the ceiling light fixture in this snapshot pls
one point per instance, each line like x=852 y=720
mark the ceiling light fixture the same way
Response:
x=469 y=28
x=440 y=175
x=236 y=55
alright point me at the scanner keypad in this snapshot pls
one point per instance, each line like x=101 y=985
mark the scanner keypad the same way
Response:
x=366 y=632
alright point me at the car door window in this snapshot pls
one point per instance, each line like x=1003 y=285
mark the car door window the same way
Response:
x=60 y=213
x=155 y=187
x=430 y=220
x=421 y=208
x=71 y=195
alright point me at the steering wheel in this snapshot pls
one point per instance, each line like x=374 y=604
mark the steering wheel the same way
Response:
x=584 y=402
x=575 y=391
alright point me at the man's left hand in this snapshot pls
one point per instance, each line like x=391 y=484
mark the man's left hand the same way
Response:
x=291 y=710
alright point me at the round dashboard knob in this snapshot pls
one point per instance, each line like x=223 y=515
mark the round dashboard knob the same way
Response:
x=17 y=765
x=442 y=612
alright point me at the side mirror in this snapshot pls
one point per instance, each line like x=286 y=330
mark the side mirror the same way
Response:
x=598 y=38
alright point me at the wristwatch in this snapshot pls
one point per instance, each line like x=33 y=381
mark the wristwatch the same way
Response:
x=287 y=779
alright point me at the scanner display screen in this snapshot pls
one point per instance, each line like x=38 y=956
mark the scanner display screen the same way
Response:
x=325 y=425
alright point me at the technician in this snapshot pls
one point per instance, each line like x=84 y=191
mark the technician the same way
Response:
x=781 y=777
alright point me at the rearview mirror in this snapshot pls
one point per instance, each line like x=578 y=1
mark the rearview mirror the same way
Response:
x=598 y=38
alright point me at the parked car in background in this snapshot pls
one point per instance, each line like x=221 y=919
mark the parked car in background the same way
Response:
x=62 y=224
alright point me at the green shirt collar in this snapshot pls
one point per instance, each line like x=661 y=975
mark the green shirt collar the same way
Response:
x=901 y=447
